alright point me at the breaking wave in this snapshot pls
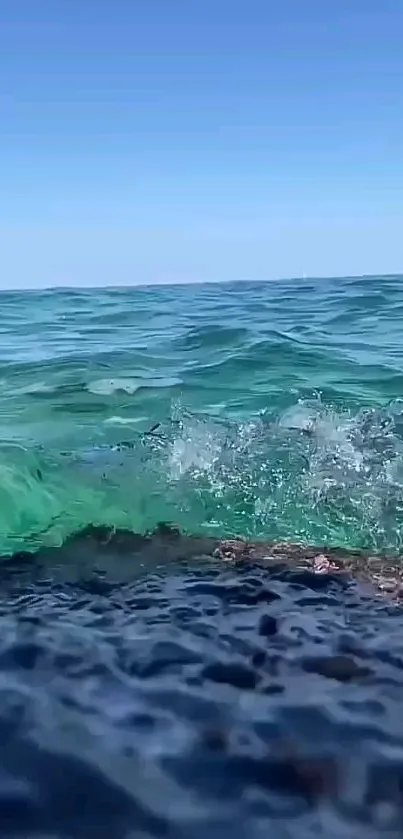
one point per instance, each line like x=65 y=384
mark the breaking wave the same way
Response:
x=312 y=473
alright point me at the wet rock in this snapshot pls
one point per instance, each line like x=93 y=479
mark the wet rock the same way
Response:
x=267 y=626
x=236 y=675
x=339 y=667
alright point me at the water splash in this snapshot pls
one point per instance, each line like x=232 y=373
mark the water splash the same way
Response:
x=310 y=473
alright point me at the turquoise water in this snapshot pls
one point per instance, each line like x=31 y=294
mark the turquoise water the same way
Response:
x=280 y=410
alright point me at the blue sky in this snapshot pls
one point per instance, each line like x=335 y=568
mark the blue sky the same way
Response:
x=191 y=140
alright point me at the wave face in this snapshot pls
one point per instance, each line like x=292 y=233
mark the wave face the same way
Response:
x=280 y=411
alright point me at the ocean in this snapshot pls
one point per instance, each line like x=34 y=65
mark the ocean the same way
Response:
x=180 y=697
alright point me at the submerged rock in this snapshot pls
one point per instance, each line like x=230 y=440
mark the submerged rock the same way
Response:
x=109 y=552
x=178 y=686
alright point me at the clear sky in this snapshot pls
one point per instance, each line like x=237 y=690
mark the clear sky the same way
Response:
x=189 y=140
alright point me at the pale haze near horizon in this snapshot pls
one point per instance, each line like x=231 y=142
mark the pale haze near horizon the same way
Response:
x=184 y=142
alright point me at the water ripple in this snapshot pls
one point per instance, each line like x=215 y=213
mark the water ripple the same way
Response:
x=76 y=366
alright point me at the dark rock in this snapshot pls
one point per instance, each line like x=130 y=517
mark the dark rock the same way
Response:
x=267 y=626
x=236 y=675
x=339 y=667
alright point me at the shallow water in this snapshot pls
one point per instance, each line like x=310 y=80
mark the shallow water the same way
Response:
x=183 y=697
x=151 y=690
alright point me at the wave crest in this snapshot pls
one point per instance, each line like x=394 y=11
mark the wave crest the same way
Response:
x=312 y=473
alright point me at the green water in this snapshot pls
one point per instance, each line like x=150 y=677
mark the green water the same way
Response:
x=279 y=407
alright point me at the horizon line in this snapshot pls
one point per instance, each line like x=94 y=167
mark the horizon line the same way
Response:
x=179 y=283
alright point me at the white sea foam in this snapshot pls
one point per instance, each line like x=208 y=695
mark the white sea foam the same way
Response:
x=106 y=387
x=117 y=420
x=129 y=385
